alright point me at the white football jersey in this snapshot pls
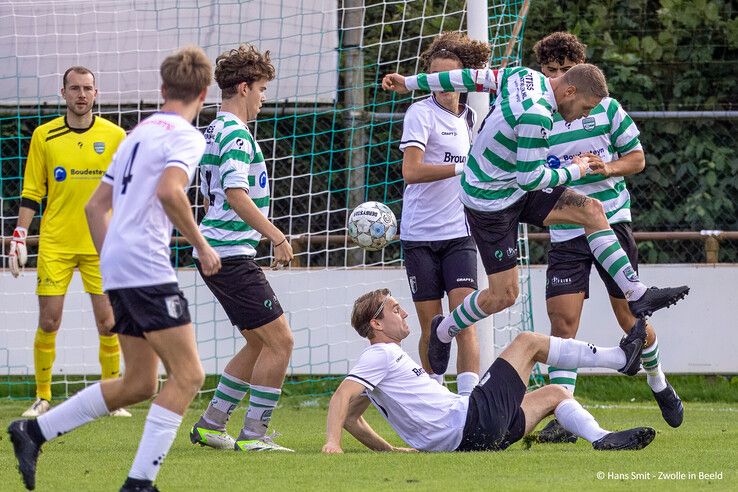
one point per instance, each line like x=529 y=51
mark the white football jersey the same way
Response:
x=432 y=211
x=425 y=414
x=136 y=248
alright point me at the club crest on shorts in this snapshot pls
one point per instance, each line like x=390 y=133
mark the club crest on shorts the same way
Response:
x=99 y=147
x=174 y=306
x=588 y=123
x=499 y=255
x=413 y=284
x=268 y=304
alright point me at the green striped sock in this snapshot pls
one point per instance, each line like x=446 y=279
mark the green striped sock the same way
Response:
x=650 y=360
x=466 y=314
x=565 y=377
x=608 y=253
x=228 y=395
x=262 y=402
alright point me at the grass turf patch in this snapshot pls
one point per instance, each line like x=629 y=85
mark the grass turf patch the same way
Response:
x=98 y=456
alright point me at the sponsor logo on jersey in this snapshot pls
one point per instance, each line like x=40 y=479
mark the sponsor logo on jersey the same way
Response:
x=449 y=133
x=413 y=284
x=588 y=123
x=449 y=157
x=553 y=162
x=99 y=147
x=263 y=179
x=174 y=306
x=60 y=174
x=419 y=371
x=239 y=143
x=86 y=173
x=399 y=358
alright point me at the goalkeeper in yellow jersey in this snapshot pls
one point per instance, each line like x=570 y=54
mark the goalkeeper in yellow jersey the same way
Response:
x=66 y=160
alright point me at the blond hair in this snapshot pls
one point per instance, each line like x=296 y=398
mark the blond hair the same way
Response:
x=242 y=64
x=186 y=73
x=364 y=311
x=588 y=79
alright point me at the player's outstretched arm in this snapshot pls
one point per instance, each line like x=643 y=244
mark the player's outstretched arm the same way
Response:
x=461 y=80
x=338 y=411
x=170 y=192
x=97 y=211
x=358 y=427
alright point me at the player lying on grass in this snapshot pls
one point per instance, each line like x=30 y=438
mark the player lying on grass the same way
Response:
x=428 y=417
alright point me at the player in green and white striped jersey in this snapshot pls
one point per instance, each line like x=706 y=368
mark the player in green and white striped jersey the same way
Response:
x=506 y=181
x=609 y=137
x=235 y=187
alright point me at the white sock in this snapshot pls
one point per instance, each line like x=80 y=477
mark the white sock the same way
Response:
x=650 y=361
x=437 y=378
x=83 y=407
x=158 y=435
x=574 y=418
x=609 y=253
x=262 y=402
x=465 y=382
x=567 y=353
x=466 y=314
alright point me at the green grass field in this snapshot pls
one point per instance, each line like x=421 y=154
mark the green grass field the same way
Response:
x=98 y=456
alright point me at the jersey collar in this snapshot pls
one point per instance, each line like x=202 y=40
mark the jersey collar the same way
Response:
x=79 y=130
x=461 y=105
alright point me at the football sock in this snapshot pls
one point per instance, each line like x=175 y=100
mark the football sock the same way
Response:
x=44 y=353
x=565 y=377
x=574 y=418
x=466 y=314
x=608 y=252
x=83 y=407
x=158 y=435
x=570 y=354
x=437 y=378
x=650 y=360
x=228 y=395
x=109 y=356
x=262 y=402
x=465 y=382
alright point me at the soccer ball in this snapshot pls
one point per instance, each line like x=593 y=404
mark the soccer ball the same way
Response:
x=372 y=225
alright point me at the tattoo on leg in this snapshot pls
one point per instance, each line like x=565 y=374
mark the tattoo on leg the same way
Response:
x=570 y=199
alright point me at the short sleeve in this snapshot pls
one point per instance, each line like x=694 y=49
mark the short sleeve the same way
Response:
x=623 y=131
x=34 y=180
x=371 y=368
x=416 y=128
x=185 y=149
x=236 y=154
x=109 y=176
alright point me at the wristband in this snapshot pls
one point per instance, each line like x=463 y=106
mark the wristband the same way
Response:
x=458 y=168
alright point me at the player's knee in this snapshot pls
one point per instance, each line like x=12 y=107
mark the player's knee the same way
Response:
x=140 y=389
x=595 y=213
x=563 y=325
x=501 y=298
x=49 y=323
x=526 y=338
x=557 y=394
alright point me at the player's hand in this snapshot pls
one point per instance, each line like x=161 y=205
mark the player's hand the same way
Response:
x=18 y=254
x=394 y=82
x=597 y=165
x=330 y=448
x=404 y=450
x=283 y=254
x=583 y=163
x=209 y=260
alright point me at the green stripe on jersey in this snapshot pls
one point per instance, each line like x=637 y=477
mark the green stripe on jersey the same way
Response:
x=445 y=80
x=475 y=192
x=499 y=161
x=232 y=242
x=468 y=81
x=261 y=202
x=228 y=225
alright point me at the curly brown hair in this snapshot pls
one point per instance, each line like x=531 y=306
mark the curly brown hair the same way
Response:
x=457 y=46
x=242 y=64
x=558 y=46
